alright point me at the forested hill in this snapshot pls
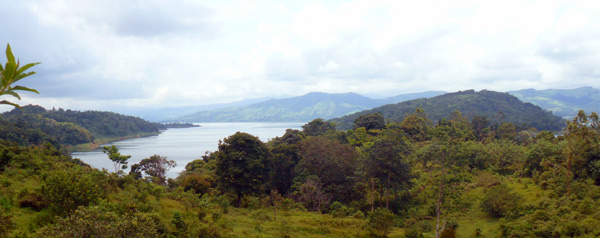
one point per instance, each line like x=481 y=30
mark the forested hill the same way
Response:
x=562 y=102
x=495 y=106
x=35 y=124
x=299 y=109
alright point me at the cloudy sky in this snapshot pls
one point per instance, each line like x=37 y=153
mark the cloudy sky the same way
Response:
x=108 y=54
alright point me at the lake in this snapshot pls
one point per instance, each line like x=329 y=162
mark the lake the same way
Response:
x=183 y=145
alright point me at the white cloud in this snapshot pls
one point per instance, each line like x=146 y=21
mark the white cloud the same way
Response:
x=158 y=52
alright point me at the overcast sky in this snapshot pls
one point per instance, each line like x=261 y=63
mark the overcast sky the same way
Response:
x=106 y=54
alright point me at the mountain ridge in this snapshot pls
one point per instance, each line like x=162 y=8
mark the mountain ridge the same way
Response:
x=493 y=105
x=297 y=109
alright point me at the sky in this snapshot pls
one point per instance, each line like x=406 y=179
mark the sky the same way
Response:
x=136 y=54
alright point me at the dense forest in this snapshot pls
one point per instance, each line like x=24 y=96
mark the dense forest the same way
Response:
x=35 y=125
x=495 y=106
x=454 y=177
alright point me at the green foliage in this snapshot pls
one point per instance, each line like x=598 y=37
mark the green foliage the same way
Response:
x=119 y=161
x=74 y=127
x=483 y=103
x=317 y=127
x=242 y=164
x=381 y=221
x=333 y=164
x=11 y=72
x=156 y=167
x=96 y=222
x=373 y=121
x=501 y=201
x=65 y=190
x=6 y=221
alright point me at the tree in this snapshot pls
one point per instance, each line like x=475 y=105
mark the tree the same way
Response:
x=371 y=121
x=381 y=221
x=332 y=163
x=442 y=177
x=242 y=164
x=385 y=163
x=119 y=161
x=415 y=125
x=156 y=167
x=11 y=73
x=317 y=127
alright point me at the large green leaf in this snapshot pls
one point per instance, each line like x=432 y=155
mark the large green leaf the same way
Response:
x=10 y=103
x=9 y=54
x=25 y=89
x=26 y=67
x=10 y=92
x=20 y=76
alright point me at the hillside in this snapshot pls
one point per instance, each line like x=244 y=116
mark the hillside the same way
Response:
x=562 y=102
x=298 y=109
x=35 y=124
x=495 y=106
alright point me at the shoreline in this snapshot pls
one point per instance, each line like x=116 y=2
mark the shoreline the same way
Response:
x=97 y=142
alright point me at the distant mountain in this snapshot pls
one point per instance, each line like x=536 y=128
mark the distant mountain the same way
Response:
x=298 y=109
x=167 y=114
x=411 y=96
x=562 y=102
x=495 y=106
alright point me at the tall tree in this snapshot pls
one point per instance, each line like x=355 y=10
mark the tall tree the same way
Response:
x=332 y=163
x=156 y=167
x=317 y=127
x=385 y=162
x=119 y=161
x=242 y=164
x=371 y=121
x=11 y=73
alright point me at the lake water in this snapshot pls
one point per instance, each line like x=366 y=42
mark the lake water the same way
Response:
x=183 y=145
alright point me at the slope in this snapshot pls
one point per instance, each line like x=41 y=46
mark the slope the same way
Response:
x=562 y=102
x=298 y=109
x=495 y=106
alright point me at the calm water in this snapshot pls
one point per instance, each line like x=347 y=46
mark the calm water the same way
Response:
x=184 y=144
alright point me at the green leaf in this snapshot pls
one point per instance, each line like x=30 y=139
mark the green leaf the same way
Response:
x=10 y=103
x=26 y=67
x=10 y=92
x=19 y=77
x=9 y=54
x=25 y=89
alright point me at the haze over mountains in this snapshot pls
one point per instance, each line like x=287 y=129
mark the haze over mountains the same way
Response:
x=562 y=102
x=299 y=109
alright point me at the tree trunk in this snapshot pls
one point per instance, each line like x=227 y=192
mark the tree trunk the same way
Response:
x=372 y=194
x=387 y=193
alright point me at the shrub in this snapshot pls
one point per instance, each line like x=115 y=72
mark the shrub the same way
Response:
x=94 y=222
x=65 y=190
x=338 y=210
x=359 y=215
x=381 y=221
x=500 y=201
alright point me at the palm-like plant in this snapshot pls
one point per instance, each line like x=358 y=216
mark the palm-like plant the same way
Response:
x=11 y=73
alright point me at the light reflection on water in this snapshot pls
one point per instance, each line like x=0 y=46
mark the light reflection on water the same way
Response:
x=183 y=144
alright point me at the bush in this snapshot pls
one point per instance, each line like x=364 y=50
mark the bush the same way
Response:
x=94 y=222
x=413 y=233
x=359 y=215
x=65 y=190
x=381 y=221
x=501 y=201
x=338 y=210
